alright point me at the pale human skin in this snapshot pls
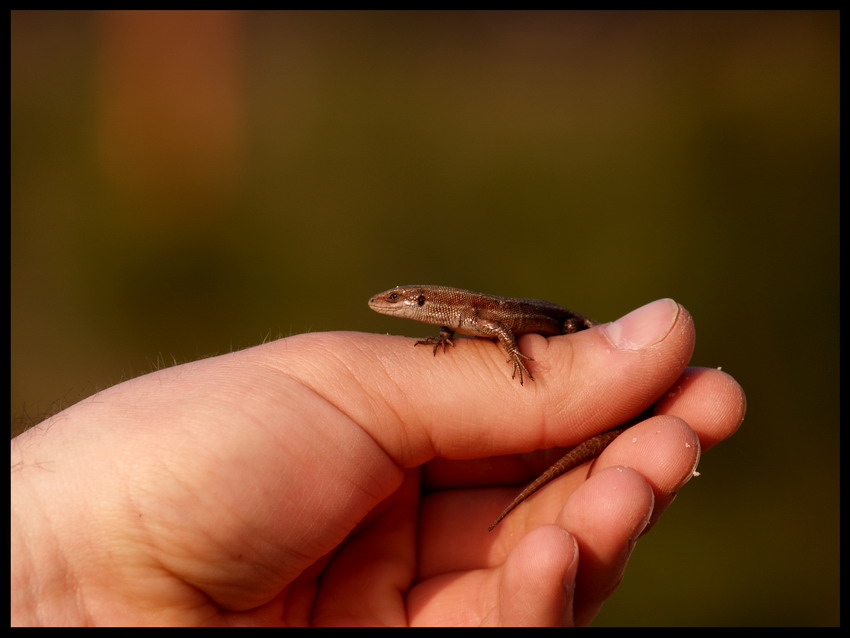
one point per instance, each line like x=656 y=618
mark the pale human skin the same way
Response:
x=349 y=479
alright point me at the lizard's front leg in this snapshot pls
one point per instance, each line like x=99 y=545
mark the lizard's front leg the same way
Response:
x=445 y=339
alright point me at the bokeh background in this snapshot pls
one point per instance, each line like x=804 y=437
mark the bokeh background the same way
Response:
x=186 y=184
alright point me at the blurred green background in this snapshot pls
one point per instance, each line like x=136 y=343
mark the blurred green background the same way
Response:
x=187 y=184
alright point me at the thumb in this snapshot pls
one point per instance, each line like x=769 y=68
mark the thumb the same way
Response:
x=463 y=404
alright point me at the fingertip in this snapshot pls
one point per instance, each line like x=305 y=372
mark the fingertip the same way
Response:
x=664 y=449
x=710 y=400
x=539 y=579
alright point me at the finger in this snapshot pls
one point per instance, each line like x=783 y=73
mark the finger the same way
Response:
x=606 y=515
x=538 y=580
x=628 y=487
x=663 y=449
x=463 y=405
x=710 y=401
x=534 y=587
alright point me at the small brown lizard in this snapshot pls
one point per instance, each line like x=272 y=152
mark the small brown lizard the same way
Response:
x=473 y=313
x=502 y=318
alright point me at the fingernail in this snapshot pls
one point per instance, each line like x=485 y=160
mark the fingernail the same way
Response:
x=643 y=327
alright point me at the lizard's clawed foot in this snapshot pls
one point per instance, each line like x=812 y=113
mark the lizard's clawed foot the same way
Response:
x=516 y=359
x=437 y=341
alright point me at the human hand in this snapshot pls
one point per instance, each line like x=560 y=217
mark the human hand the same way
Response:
x=345 y=479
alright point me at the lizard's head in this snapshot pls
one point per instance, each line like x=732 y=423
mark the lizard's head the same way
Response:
x=404 y=300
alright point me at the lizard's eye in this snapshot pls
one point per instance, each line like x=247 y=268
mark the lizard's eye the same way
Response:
x=420 y=300
x=392 y=296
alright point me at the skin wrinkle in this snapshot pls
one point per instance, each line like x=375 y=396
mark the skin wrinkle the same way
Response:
x=373 y=495
x=380 y=409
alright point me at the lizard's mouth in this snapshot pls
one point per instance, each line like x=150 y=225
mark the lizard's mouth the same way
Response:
x=376 y=303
